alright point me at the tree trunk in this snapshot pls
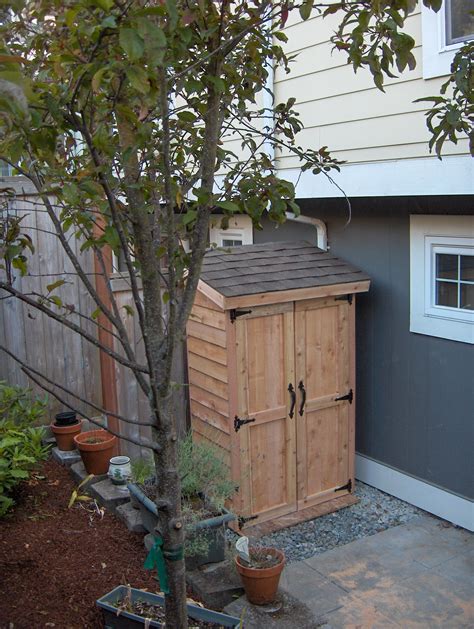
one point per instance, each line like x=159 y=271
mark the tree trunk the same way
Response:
x=170 y=524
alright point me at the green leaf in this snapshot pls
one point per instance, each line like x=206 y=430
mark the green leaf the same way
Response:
x=306 y=9
x=230 y=206
x=189 y=217
x=129 y=310
x=96 y=313
x=20 y=263
x=97 y=78
x=111 y=237
x=106 y=5
x=54 y=285
x=132 y=44
x=138 y=79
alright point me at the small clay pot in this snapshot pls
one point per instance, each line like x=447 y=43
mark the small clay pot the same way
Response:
x=261 y=584
x=65 y=435
x=67 y=418
x=97 y=453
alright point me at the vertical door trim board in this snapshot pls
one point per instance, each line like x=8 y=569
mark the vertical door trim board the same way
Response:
x=232 y=388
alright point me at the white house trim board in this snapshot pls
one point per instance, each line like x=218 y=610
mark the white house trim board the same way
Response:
x=427 y=176
x=433 y=499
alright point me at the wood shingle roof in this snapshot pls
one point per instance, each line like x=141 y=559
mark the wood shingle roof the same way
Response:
x=275 y=266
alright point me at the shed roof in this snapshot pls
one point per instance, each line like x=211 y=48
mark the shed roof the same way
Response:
x=275 y=266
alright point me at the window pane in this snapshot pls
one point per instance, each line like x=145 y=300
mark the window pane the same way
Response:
x=230 y=243
x=467 y=268
x=447 y=294
x=5 y=169
x=467 y=296
x=447 y=266
x=459 y=21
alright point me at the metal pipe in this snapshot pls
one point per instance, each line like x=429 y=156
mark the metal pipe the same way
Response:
x=317 y=223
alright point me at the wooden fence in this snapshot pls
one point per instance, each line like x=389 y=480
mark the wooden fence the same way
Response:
x=62 y=355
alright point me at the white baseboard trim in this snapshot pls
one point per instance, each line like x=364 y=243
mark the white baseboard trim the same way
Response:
x=438 y=501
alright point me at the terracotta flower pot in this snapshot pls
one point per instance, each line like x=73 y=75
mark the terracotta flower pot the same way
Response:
x=65 y=435
x=261 y=584
x=96 y=448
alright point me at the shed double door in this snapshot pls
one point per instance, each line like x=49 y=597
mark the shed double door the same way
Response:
x=293 y=362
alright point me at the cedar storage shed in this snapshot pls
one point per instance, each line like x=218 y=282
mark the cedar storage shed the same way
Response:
x=271 y=342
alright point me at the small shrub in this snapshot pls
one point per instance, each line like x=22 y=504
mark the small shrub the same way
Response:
x=206 y=486
x=21 y=444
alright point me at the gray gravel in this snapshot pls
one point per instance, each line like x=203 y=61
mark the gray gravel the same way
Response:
x=375 y=512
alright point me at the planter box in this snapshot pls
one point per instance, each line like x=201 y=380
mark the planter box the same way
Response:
x=126 y=620
x=213 y=528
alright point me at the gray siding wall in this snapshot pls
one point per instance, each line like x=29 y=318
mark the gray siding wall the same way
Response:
x=415 y=393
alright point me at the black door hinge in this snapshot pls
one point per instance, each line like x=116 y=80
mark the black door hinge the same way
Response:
x=241 y=422
x=345 y=298
x=349 y=396
x=347 y=486
x=242 y=520
x=234 y=313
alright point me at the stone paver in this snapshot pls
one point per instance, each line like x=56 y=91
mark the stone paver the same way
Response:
x=418 y=575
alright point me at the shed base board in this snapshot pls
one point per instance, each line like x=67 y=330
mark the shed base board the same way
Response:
x=433 y=499
x=284 y=521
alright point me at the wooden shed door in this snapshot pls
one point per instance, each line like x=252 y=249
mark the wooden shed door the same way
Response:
x=265 y=367
x=323 y=364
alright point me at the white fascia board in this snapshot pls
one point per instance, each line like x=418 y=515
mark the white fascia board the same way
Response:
x=440 y=502
x=453 y=175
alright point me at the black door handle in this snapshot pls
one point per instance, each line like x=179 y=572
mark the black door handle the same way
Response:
x=303 y=397
x=292 y=393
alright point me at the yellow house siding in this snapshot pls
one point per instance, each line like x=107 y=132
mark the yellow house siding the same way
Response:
x=344 y=110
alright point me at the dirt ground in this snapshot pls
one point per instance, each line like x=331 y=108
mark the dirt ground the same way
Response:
x=55 y=562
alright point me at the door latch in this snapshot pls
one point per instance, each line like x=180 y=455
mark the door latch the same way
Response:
x=349 y=396
x=241 y=422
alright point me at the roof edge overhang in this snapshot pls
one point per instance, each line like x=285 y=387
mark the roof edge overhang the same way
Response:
x=281 y=296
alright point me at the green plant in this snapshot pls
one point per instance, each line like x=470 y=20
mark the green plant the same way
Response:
x=19 y=405
x=204 y=472
x=142 y=470
x=21 y=445
x=206 y=487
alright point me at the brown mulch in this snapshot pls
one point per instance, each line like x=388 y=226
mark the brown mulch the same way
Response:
x=55 y=562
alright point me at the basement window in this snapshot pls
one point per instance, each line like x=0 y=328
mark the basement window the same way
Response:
x=239 y=231
x=442 y=276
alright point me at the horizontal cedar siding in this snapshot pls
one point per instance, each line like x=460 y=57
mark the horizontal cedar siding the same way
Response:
x=207 y=370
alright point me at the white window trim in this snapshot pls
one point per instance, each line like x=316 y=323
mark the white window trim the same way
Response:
x=437 y=55
x=428 y=234
x=240 y=228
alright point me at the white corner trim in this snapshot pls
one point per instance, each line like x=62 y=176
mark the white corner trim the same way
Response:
x=433 y=499
x=404 y=177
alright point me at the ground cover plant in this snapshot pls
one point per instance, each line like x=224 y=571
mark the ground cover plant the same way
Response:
x=21 y=446
x=115 y=112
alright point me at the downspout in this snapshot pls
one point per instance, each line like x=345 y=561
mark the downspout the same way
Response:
x=317 y=223
x=269 y=125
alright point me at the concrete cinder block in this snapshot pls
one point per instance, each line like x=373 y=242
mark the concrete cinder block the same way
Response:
x=109 y=495
x=131 y=517
x=78 y=472
x=287 y=612
x=66 y=458
x=216 y=584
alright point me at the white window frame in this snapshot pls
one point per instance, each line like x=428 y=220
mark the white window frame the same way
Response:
x=240 y=228
x=430 y=235
x=437 y=54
